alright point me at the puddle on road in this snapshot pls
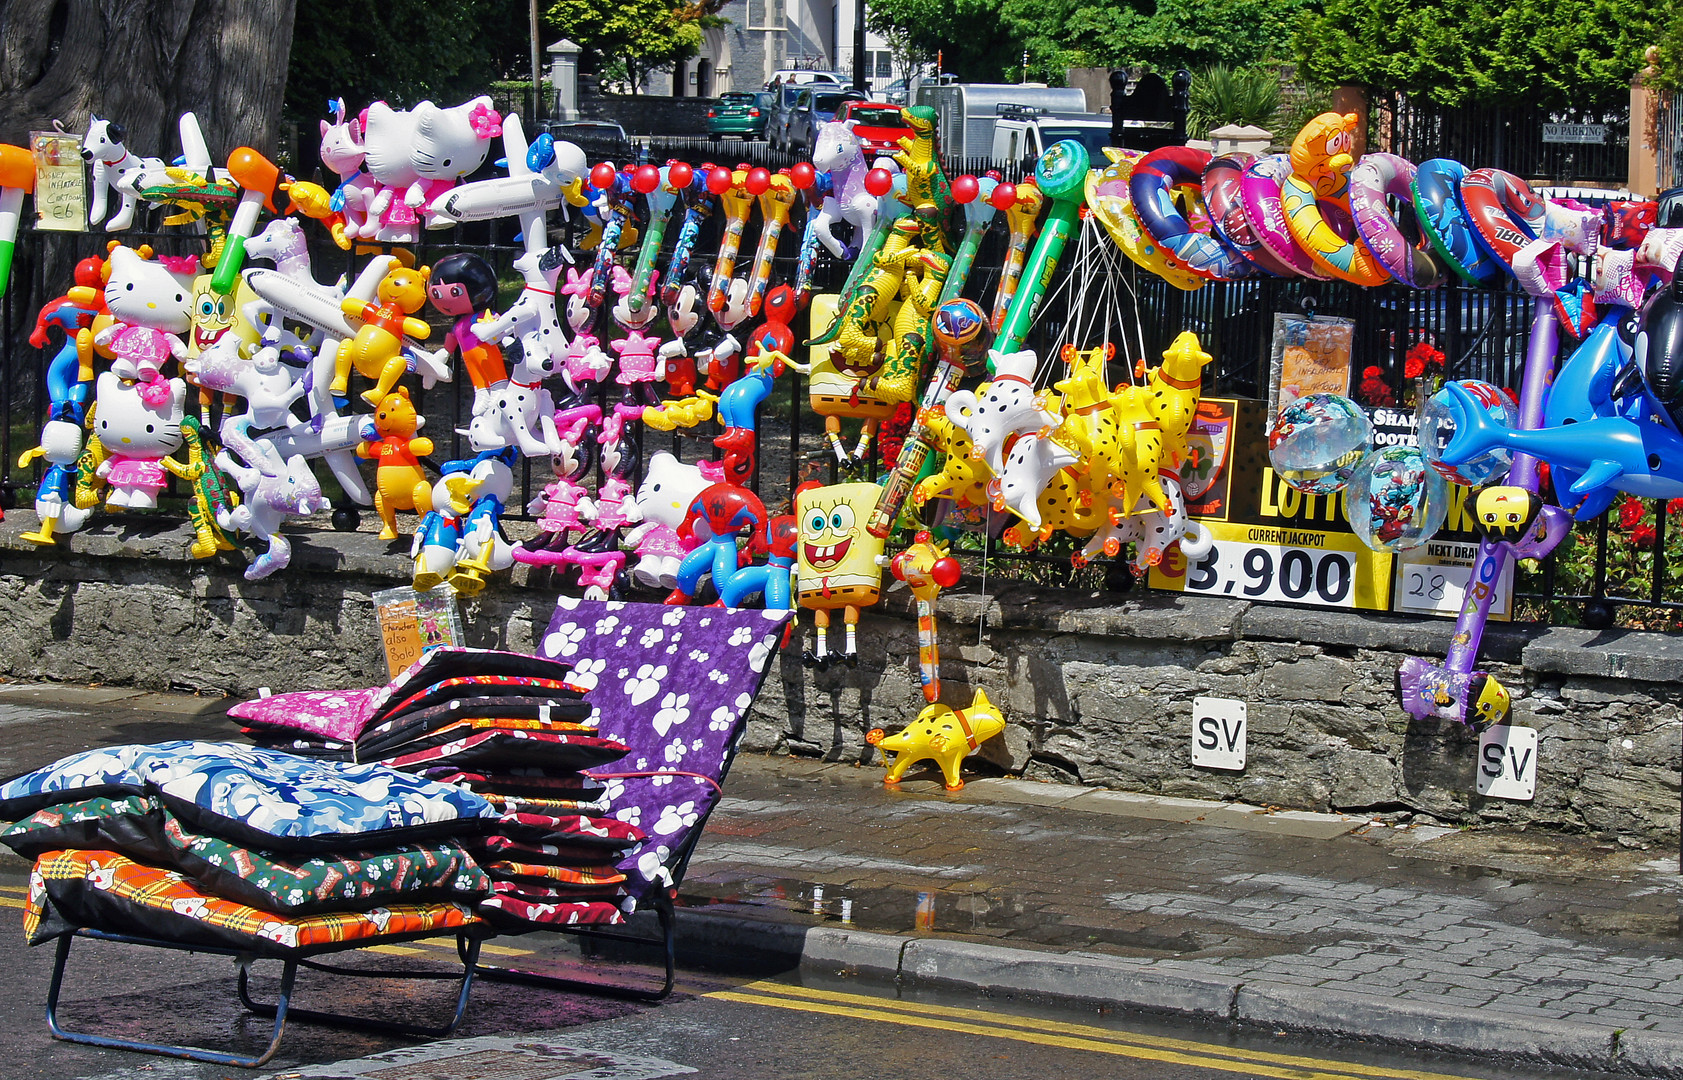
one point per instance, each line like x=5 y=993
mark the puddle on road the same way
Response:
x=899 y=910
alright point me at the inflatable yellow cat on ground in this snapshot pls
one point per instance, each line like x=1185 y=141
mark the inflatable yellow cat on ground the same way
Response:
x=943 y=735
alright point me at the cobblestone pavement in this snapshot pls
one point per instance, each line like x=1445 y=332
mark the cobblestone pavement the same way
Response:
x=1536 y=925
x=1526 y=924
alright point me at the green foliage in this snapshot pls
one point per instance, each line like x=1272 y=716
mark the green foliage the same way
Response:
x=910 y=54
x=627 y=39
x=1221 y=95
x=968 y=34
x=984 y=40
x=401 y=51
x=1633 y=543
x=1172 y=34
x=1551 y=53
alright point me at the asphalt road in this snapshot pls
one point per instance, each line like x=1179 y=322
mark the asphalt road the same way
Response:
x=746 y=1023
x=752 y=1025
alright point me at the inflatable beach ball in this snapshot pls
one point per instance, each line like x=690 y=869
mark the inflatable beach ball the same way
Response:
x=1395 y=501
x=1317 y=442
x=1437 y=427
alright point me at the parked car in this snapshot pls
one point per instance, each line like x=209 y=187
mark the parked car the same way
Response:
x=814 y=107
x=879 y=127
x=599 y=139
x=782 y=113
x=742 y=114
x=586 y=129
x=795 y=77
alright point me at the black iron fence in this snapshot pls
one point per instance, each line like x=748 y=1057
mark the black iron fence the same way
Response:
x=1561 y=146
x=1098 y=296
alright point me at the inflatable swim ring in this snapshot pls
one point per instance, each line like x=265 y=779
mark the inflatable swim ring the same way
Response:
x=1223 y=179
x=1152 y=186
x=1107 y=194
x=1374 y=178
x=1259 y=190
x=1505 y=213
x=1316 y=200
x=1437 y=206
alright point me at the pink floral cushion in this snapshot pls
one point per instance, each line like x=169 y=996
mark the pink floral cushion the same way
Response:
x=333 y=714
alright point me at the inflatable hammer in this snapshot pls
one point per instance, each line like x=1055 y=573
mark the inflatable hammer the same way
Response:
x=258 y=178
x=17 y=179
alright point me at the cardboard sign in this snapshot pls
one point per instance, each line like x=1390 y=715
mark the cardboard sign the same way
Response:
x=61 y=200
x=412 y=623
x=1308 y=356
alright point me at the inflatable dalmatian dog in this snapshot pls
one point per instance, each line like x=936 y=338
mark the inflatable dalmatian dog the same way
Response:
x=1007 y=406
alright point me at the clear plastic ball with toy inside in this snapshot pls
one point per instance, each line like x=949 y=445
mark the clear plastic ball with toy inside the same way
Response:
x=1317 y=442
x=1437 y=427
x=1395 y=500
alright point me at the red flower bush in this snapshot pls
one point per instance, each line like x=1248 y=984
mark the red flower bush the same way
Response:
x=1630 y=511
x=1423 y=359
x=1642 y=536
x=1373 y=388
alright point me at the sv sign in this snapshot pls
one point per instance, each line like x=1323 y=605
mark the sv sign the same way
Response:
x=1218 y=733
x=1507 y=762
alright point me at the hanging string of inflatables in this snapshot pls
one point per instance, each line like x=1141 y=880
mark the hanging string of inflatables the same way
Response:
x=651 y=323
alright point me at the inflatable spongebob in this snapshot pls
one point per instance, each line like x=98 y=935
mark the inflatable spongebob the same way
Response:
x=839 y=562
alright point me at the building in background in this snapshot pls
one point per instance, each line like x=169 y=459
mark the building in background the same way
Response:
x=763 y=37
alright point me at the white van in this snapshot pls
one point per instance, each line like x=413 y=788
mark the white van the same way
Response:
x=1023 y=132
x=965 y=112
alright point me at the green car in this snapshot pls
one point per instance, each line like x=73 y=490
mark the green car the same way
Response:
x=741 y=114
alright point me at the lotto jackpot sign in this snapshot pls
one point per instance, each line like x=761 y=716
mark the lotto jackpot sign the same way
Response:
x=1271 y=541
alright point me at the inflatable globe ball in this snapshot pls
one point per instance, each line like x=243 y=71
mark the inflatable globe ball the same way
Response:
x=1395 y=501
x=1437 y=427
x=1317 y=442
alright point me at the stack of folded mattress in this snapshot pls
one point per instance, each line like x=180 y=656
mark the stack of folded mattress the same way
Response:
x=243 y=847
x=514 y=730
x=520 y=742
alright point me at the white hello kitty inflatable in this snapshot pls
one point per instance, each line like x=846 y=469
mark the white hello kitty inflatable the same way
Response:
x=137 y=435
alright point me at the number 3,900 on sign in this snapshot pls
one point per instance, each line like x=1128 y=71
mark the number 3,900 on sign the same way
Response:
x=1268 y=572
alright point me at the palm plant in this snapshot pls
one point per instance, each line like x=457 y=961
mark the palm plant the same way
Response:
x=1222 y=95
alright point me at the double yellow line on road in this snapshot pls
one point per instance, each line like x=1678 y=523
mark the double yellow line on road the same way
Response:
x=1044 y=1032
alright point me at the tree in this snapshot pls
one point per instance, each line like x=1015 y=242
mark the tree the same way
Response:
x=143 y=63
x=1221 y=95
x=967 y=33
x=910 y=57
x=401 y=51
x=1550 y=53
x=633 y=36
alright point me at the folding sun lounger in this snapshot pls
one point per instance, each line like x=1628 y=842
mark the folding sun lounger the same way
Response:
x=673 y=684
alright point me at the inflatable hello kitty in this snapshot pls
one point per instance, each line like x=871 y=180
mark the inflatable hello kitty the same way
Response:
x=667 y=491
x=419 y=154
x=149 y=301
x=137 y=435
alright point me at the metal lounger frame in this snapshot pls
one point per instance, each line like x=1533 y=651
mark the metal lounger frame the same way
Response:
x=281 y=1010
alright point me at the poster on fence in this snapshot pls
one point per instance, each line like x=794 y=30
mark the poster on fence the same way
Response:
x=1271 y=541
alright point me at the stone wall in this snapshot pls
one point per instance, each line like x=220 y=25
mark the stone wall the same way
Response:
x=1098 y=688
x=646 y=114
